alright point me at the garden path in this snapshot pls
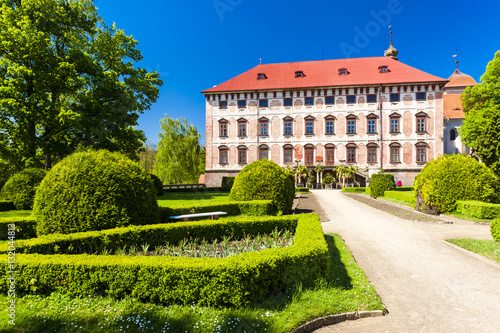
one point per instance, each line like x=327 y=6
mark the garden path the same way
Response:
x=426 y=284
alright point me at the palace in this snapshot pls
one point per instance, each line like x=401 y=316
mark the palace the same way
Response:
x=376 y=113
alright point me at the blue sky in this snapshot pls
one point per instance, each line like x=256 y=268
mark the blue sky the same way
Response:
x=195 y=45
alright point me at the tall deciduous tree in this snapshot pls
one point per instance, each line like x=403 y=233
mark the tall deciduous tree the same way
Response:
x=481 y=105
x=67 y=79
x=178 y=159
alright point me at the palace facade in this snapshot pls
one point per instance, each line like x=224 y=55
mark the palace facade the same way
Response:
x=376 y=113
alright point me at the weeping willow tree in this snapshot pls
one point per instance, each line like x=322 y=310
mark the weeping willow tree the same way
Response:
x=179 y=153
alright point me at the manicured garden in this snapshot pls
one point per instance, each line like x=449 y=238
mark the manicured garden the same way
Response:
x=88 y=259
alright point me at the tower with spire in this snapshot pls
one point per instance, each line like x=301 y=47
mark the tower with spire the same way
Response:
x=391 y=52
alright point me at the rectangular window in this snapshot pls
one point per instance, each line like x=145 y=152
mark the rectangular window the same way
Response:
x=421 y=96
x=263 y=103
x=223 y=105
x=329 y=100
x=288 y=127
x=309 y=156
x=309 y=100
x=351 y=126
x=371 y=126
x=288 y=102
x=351 y=155
x=351 y=99
x=242 y=156
x=372 y=98
x=242 y=104
x=329 y=127
x=421 y=125
x=263 y=154
x=222 y=129
x=242 y=129
x=394 y=97
x=310 y=127
x=288 y=153
x=394 y=125
x=330 y=156
x=421 y=155
x=223 y=156
x=372 y=155
x=394 y=155
x=263 y=128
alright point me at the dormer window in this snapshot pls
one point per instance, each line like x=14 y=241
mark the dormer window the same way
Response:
x=299 y=74
x=343 y=71
x=261 y=76
x=383 y=69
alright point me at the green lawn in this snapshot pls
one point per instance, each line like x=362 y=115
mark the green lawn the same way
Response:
x=488 y=248
x=466 y=217
x=15 y=213
x=346 y=290
x=186 y=198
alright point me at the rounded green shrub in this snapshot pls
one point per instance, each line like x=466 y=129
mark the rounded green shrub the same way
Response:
x=95 y=190
x=263 y=180
x=21 y=187
x=449 y=178
x=381 y=182
x=495 y=229
x=157 y=184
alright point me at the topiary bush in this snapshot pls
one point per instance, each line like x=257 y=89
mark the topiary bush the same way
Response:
x=449 y=178
x=227 y=183
x=95 y=190
x=262 y=180
x=157 y=184
x=495 y=229
x=381 y=182
x=21 y=187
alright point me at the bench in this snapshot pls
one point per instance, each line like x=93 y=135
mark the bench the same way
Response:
x=213 y=216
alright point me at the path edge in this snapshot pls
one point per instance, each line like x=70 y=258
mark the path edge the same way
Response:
x=335 y=319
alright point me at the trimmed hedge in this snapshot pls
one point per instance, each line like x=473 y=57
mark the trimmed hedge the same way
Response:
x=241 y=280
x=354 y=189
x=407 y=196
x=157 y=234
x=495 y=229
x=381 y=182
x=6 y=205
x=232 y=208
x=302 y=190
x=450 y=178
x=227 y=183
x=478 y=209
x=264 y=180
x=22 y=186
x=157 y=184
x=95 y=190
x=404 y=188
x=25 y=227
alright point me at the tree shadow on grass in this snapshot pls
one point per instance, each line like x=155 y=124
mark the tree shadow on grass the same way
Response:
x=339 y=276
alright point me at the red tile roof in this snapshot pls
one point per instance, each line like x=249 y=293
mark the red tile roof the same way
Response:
x=325 y=73
x=459 y=79
x=452 y=107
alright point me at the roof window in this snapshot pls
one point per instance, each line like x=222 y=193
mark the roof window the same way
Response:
x=343 y=71
x=261 y=76
x=383 y=69
x=299 y=74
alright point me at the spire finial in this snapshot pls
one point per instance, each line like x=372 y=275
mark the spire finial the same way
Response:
x=391 y=36
x=260 y=60
x=456 y=64
x=391 y=52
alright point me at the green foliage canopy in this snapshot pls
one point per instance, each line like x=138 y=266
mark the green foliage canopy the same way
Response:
x=95 y=190
x=179 y=153
x=481 y=105
x=262 y=180
x=21 y=187
x=449 y=178
x=67 y=79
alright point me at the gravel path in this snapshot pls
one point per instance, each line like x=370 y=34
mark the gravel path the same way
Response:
x=426 y=284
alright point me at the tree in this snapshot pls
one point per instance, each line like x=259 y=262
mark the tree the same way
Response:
x=67 y=79
x=147 y=157
x=178 y=159
x=481 y=105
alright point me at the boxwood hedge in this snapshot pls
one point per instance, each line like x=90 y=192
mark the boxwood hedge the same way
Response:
x=22 y=186
x=354 y=189
x=25 y=227
x=381 y=182
x=478 y=209
x=495 y=229
x=239 y=280
x=6 y=205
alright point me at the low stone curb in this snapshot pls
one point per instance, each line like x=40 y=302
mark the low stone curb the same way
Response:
x=335 y=319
